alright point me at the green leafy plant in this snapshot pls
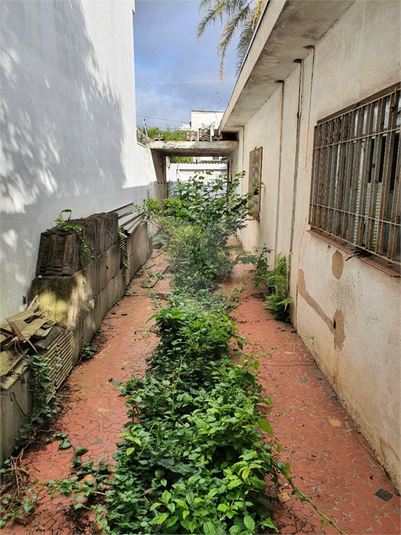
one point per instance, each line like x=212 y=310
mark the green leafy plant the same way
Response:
x=278 y=298
x=158 y=241
x=44 y=399
x=85 y=250
x=192 y=460
x=196 y=223
x=87 y=487
x=13 y=506
x=276 y=280
x=88 y=351
x=23 y=498
x=90 y=482
x=170 y=135
x=122 y=236
x=259 y=260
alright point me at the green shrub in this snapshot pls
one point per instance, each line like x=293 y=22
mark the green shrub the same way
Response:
x=192 y=460
x=278 y=298
x=196 y=222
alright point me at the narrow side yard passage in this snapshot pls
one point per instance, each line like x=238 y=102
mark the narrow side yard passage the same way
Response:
x=330 y=460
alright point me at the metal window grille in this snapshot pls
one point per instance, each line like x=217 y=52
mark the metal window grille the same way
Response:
x=355 y=191
x=255 y=179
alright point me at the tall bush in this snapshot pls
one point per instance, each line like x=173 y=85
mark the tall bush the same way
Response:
x=197 y=222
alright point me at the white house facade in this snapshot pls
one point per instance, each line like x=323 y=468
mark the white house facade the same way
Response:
x=316 y=109
x=68 y=128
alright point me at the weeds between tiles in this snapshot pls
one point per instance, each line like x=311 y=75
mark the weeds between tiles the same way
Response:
x=192 y=459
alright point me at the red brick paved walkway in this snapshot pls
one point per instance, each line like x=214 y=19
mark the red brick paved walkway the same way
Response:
x=330 y=460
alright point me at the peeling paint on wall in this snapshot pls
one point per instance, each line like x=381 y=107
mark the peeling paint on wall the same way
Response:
x=335 y=325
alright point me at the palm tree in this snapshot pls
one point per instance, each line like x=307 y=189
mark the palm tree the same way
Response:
x=238 y=16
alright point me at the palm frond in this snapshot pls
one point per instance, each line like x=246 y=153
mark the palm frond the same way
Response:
x=243 y=44
x=203 y=4
x=260 y=4
x=247 y=31
x=235 y=6
x=240 y=16
x=216 y=10
x=231 y=27
x=204 y=23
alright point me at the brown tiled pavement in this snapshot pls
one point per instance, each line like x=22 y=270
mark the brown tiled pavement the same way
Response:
x=330 y=460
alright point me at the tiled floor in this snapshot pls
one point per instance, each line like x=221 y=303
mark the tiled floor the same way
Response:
x=330 y=460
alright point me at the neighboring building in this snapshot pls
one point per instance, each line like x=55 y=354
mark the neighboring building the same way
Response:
x=317 y=111
x=213 y=165
x=205 y=119
x=185 y=126
x=67 y=116
x=202 y=121
x=209 y=168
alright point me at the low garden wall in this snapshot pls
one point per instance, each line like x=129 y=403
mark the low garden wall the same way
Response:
x=80 y=275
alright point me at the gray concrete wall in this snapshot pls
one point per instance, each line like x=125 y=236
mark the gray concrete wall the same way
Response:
x=15 y=406
x=77 y=301
x=67 y=121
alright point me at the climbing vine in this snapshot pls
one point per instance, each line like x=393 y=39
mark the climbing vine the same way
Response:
x=192 y=459
x=43 y=397
x=22 y=498
x=85 y=250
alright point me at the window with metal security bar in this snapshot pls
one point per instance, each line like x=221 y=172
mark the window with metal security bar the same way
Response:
x=355 y=191
x=255 y=179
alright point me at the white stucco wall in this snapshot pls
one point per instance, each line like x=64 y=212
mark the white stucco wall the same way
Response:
x=264 y=130
x=184 y=171
x=347 y=312
x=287 y=162
x=205 y=119
x=358 y=57
x=68 y=133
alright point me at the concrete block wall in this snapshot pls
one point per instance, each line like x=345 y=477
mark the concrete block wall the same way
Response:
x=139 y=248
x=78 y=300
x=16 y=404
x=79 y=291
x=59 y=250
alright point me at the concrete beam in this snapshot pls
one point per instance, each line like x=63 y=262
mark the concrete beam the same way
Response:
x=286 y=30
x=194 y=148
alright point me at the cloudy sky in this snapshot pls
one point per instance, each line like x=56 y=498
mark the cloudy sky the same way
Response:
x=174 y=72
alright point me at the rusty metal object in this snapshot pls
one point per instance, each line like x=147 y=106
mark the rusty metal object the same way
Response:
x=20 y=336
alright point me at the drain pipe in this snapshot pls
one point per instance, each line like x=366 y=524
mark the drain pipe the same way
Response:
x=299 y=114
x=297 y=140
x=279 y=166
x=294 y=193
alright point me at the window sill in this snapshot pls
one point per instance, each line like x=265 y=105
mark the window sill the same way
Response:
x=386 y=266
